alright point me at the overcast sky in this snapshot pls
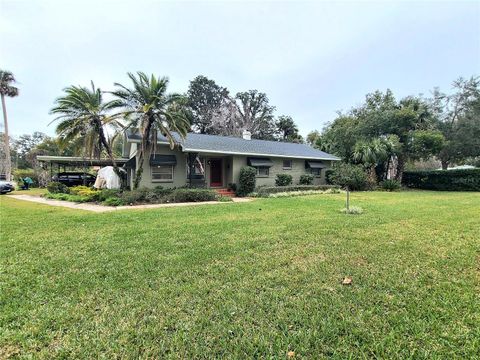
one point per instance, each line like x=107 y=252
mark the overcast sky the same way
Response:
x=311 y=58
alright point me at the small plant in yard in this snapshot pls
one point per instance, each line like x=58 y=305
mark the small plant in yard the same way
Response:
x=352 y=210
x=349 y=177
x=283 y=179
x=306 y=179
x=391 y=185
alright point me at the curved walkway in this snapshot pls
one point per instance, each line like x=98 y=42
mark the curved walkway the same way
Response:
x=102 y=208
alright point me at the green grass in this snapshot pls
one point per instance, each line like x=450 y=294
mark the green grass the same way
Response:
x=31 y=191
x=250 y=280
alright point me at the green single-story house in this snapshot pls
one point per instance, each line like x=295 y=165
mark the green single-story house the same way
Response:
x=215 y=161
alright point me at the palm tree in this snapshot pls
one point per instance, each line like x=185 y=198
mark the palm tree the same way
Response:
x=369 y=154
x=83 y=115
x=7 y=89
x=149 y=108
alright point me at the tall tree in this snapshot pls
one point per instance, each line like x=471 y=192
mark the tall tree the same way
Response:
x=255 y=114
x=7 y=89
x=206 y=100
x=149 y=108
x=410 y=120
x=82 y=113
x=312 y=137
x=457 y=120
x=287 y=129
x=23 y=145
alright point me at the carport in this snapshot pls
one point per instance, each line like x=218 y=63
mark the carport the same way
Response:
x=75 y=162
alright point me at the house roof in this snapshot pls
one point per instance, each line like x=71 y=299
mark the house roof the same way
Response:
x=238 y=146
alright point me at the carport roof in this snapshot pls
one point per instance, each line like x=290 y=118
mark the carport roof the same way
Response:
x=78 y=161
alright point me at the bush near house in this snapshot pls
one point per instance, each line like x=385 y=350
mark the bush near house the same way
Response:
x=283 y=179
x=112 y=197
x=267 y=190
x=192 y=195
x=306 y=179
x=57 y=188
x=443 y=180
x=246 y=181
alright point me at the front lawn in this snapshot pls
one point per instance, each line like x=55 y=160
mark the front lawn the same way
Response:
x=251 y=280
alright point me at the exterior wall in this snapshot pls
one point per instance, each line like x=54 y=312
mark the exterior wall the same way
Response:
x=231 y=166
x=179 y=170
x=298 y=169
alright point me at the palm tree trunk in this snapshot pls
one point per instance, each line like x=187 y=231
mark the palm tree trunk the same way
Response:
x=141 y=154
x=400 y=168
x=138 y=173
x=8 y=161
x=444 y=164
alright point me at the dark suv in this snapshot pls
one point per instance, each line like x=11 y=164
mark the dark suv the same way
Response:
x=74 y=178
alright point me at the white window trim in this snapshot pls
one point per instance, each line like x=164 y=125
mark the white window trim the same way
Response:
x=263 y=176
x=162 y=180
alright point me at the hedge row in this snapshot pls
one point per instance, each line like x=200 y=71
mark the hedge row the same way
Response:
x=113 y=197
x=443 y=180
x=267 y=190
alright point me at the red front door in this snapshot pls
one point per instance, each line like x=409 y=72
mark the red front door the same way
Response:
x=215 y=172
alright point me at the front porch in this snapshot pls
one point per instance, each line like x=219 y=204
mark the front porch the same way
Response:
x=209 y=170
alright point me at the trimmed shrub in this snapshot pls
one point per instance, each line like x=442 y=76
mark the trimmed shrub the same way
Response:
x=192 y=195
x=113 y=201
x=302 y=193
x=443 y=180
x=349 y=175
x=328 y=174
x=306 y=179
x=391 y=185
x=68 y=197
x=57 y=188
x=246 y=181
x=267 y=190
x=135 y=196
x=85 y=191
x=104 y=194
x=283 y=180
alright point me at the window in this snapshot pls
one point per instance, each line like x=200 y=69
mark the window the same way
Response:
x=162 y=173
x=316 y=172
x=263 y=171
x=287 y=164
